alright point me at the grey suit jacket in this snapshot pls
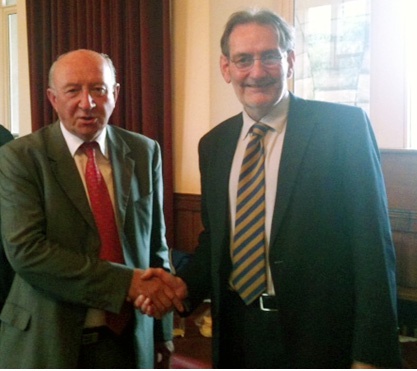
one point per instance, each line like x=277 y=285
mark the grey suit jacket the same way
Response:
x=331 y=253
x=6 y=272
x=52 y=243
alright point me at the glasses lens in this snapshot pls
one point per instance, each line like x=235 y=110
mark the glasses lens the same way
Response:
x=268 y=60
x=271 y=60
x=243 y=62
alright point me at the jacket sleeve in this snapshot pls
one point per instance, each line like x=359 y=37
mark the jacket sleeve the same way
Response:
x=159 y=249
x=375 y=337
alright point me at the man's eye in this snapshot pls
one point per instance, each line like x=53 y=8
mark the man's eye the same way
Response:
x=244 y=60
x=270 y=57
x=99 y=91
x=72 y=91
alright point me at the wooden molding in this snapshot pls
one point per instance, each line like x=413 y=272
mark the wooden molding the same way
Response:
x=187 y=221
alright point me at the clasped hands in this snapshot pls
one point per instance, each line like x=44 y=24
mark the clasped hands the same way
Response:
x=156 y=292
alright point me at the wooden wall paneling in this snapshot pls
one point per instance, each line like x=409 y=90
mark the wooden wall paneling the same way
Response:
x=400 y=173
x=187 y=221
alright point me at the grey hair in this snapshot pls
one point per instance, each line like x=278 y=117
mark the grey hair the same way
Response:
x=261 y=17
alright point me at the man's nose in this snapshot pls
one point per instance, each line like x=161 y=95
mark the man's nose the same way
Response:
x=258 y=69
x=86 y=100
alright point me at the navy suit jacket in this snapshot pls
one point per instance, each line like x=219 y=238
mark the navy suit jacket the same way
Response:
x=5 y=135
x=331 y=252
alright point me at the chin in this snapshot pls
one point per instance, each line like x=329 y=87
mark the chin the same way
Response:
x=260 y=100
x=87 y=134
x=261 y=105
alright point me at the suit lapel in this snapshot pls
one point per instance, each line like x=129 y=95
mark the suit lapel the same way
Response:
x=122 y=167
x=226 y=147
x=65 y=170
x=300 y=126
x=219 y=178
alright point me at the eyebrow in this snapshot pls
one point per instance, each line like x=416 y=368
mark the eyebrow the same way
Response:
x=277 y=51
x=75 y=84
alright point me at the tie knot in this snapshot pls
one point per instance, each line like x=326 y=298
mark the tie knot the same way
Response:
x=259 y=130
x=89 y=147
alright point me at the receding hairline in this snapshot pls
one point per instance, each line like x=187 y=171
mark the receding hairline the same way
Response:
x=263 y=17
x=103 y=56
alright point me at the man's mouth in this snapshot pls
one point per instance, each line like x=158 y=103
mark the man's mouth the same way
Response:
x=260 y=85
x=88 y=119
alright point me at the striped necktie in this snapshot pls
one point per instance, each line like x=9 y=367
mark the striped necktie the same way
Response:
x=248 y=246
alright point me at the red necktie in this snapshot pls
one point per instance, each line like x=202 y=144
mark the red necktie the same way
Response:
x=102 y=208
x=103 y=212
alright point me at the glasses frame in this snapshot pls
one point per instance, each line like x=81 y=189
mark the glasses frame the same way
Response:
x=267 y=60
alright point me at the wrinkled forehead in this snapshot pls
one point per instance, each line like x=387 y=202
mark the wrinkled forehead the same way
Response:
x=253 y=37
x=82 y=68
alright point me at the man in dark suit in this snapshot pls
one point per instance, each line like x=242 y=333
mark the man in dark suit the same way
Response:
x=6 y=271
x=5 y=135
x=62 y=305
x=329 y=293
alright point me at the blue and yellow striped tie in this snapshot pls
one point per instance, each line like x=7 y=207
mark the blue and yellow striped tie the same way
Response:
x=248 y=246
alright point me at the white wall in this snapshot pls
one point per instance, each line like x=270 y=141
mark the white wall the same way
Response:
x=25 y=117
x=191 y=82
x=388 y=83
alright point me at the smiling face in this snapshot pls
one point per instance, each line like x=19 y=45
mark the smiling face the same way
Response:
x=83 y=92
x=260 y=87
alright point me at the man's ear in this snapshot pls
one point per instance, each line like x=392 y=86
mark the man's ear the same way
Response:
x=291 y=63
x=116 y=91
x=51 y=96
x=224 y=68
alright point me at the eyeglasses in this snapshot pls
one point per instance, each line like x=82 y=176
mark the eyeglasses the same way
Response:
x=268 y=60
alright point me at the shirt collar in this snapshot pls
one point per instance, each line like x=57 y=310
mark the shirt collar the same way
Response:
x=276 y=119
x=73 y=142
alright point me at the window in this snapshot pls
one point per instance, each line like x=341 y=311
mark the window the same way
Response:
x=411 y=63
x=333 y=51
x=9 y=106
x=361 y=52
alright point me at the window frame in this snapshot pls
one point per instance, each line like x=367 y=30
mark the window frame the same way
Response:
x=5 y=72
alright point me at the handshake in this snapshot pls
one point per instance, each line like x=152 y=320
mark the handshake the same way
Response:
x=156 y=292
